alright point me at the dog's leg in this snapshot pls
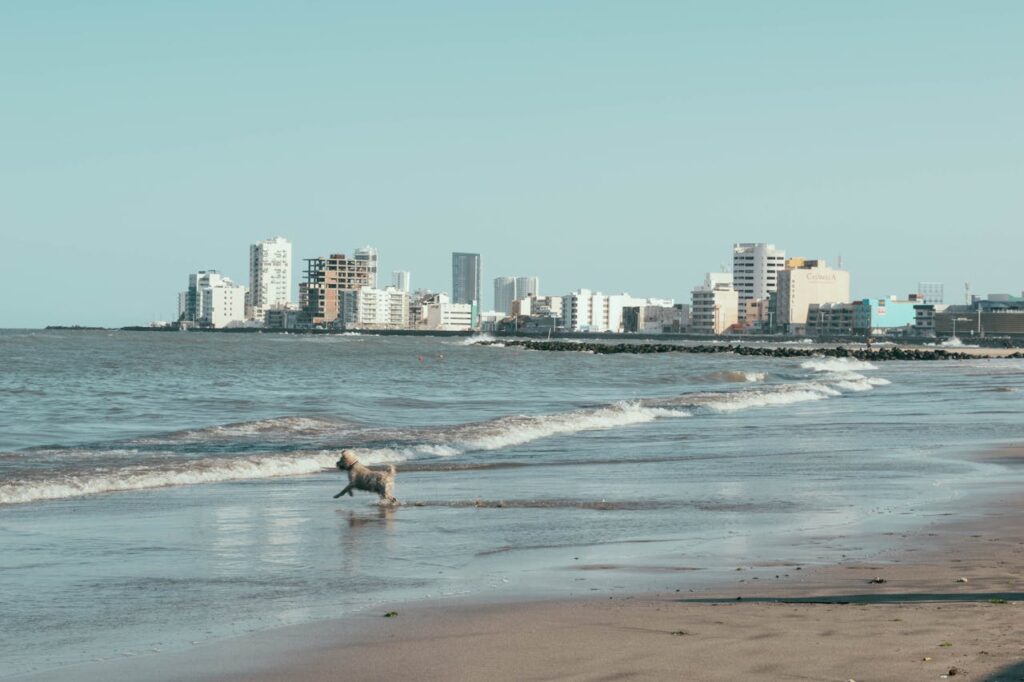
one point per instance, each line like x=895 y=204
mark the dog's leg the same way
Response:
x=348 y=489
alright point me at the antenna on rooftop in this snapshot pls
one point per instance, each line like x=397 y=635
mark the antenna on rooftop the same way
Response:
x=967 y=293
x=839 y=262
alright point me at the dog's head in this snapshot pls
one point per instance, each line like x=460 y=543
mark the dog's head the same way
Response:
x=348 y=460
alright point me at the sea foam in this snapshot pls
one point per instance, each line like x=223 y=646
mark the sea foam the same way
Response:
x=831 y=377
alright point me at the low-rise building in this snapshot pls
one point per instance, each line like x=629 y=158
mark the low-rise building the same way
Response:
x=439 y=313
x=589 y=311
x=656 y=319
x=998 y=315
x=804 y=283
x=368 y=308
x=866 y=316
x=283 y=318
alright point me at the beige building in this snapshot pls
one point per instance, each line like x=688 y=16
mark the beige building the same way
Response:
x=804 y=283
x=715 y=305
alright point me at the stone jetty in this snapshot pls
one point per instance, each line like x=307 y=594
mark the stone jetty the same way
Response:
x=873 y=354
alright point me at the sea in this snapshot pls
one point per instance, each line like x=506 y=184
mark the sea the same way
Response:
x=160 y=490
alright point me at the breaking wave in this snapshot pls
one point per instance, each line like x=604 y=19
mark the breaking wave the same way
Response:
x=109 y=469
x=735 y=376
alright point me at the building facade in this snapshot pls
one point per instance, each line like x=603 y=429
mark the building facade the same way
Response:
x=754 y=271
x=866 y=316
x=368 y=255
x=589 y=311
x=527 y=286
x=212 y=300
x=466 y=278
x=402 y=279
x=504 y=294
x=326 y=279
x=656 y=319
x=270 y=277
x=441 y=314
x=368 y=308
x=714 y=306
x=803 y=283
x=931 y=292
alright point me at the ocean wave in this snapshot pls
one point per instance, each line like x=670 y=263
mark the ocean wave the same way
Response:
x=276 y=427
x=137 y=478
x=378 y=446
x=733 y=376
x=477 y=339
x=837 y=365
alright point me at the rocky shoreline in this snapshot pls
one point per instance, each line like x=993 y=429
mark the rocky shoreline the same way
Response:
x=874 y=354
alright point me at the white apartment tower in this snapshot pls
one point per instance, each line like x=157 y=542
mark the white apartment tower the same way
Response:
x=270 y=277
x=754 y=272
x=368 y=254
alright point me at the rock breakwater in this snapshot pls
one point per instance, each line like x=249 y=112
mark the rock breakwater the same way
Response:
x=873 y=354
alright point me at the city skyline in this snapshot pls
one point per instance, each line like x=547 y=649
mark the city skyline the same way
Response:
x=826 y=129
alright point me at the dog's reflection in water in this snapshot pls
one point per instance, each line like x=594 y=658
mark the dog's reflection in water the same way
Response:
x=379 y=516
x=364 y=527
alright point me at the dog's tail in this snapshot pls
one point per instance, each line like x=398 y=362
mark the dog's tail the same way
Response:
x=392 y=471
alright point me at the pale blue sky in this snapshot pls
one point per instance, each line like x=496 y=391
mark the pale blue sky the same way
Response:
x=615 y=146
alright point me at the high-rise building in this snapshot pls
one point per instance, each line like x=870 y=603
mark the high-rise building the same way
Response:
x=504 y=294
x=527 y=286
x=401 y=280
x=212 y=300
x=270 y=277
x=466 y=278
x=932 y=292
x=804 y=283
x=754 y=269
x=368 y=255
x=326 y=278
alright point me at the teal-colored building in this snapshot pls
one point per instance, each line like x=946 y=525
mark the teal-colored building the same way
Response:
x=884 y=313
x=860 y=317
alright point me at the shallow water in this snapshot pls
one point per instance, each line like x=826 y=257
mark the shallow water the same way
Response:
x=159 y=489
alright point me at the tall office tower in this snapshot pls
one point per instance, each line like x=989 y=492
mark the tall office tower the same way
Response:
x=270 y=276
x=368 y=254
x=465 y=277
x=754 y=268
x=326 y=278
x=933 y=292
x=401 y=280
x=504 y=294
x=527 y=286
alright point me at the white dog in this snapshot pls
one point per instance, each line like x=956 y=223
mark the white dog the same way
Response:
x=362 y=478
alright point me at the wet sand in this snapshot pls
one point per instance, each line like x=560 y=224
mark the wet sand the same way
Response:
x=945 y=600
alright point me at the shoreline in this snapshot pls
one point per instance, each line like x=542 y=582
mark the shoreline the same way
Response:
x=993 y=345
x=920 y=622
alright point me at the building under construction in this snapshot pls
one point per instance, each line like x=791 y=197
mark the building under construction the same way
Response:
x=326 y=278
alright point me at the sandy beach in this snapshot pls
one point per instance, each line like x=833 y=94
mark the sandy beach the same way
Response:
x=941 y=602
